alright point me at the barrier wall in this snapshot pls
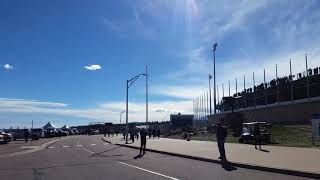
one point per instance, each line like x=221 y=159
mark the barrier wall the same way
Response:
x=296 y=112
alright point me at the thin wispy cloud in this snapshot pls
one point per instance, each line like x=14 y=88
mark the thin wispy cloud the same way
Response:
x=93 y=67
x=8 y=66
x=105 y=112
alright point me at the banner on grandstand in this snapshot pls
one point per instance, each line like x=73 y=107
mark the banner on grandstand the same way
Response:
x=316 y=125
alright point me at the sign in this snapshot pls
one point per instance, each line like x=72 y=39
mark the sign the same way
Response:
x=316 y=125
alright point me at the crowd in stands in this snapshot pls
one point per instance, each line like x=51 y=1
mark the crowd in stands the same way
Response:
x=277 y=90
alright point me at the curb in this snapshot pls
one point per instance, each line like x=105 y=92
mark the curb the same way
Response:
x=41 y=147
x=241 y=165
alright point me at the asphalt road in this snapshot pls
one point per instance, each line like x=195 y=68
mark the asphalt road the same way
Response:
x=88 y=157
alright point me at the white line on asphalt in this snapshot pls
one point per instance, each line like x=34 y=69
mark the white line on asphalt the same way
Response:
x=65 y=146
x=92 y=144
x=51 y=147
x=146 y=170
x=79 y=145
x=87 y=150
x=105 y=143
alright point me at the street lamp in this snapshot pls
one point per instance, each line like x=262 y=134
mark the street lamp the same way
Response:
x=214 y=76
x=121 y=116
x=210 y=77
x=129 y=84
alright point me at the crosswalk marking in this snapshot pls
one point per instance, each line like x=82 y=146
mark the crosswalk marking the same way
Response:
x=51 y=147
x=65 y=146
x=93 y=144
x=79 y=145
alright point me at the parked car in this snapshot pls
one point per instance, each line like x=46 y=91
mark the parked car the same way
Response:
x=247 y=135
x=2 y=139
x=7 y=136
x=94 y=132
x=62 y=132
x=37 y=133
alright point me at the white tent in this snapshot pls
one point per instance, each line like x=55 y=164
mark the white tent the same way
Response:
x=49 y=126
x=65 y=127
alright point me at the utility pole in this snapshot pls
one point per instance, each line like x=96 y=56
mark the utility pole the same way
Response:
x=210 y=77
x=277 y=84
x=127 y=125
x=229 y=87
x=291 y=83
x=147 y=108
x=308 y=95
x=214 y=76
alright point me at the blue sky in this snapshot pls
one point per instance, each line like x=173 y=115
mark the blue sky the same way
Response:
x=68 y=61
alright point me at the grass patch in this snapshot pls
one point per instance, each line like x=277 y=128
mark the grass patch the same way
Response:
x=281 y=135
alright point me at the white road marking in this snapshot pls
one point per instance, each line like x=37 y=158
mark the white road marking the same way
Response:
x=29 y=147
x=146 y=170
x=65 y=146
x=105 y=143
x=87 y=150
x=51 y=147
x=79 y=145
x=92 y=144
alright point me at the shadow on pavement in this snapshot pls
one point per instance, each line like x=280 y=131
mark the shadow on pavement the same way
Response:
x=139 y=156
x=227 y=166
x=264 y=150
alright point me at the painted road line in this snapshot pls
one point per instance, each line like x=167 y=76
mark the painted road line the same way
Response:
x=87 y=150
x=92 y=144
x=79 y=145
x=105 y=143
x=51 y=147
x=65 y=146
x=29 y=147
x=146 y=170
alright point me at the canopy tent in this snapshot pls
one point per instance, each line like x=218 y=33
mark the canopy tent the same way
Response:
x=49 y=126
x=65 y=127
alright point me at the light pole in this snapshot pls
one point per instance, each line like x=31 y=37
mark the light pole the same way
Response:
x=214 y=76
x=210 y=77
x=121 y=115
x=129 y=84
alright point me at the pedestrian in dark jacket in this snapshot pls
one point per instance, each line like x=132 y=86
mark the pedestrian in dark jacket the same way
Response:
x=153 y=133
x=150 y=133
x=143 y=138
x=221 y=134
x=257 y=136
x=158 y=133
x=26 y=135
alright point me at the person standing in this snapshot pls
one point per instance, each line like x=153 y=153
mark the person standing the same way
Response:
x=158 y=133
x=221 y=134
x=150 y=132
x=257 y=136
x=153 y=133
x=26 y=135
x=143 y=140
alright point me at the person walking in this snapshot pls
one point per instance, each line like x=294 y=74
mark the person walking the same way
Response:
x=26 y=135
x=257 y=136
x=158 y=133
x=221 y=134
x=153 y=133
x=150 y=132
x=143 y=140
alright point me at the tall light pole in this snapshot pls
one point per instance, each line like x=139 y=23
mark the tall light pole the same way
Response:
x=121 y=115
x=210 y=77
x=146 y=74
x=129 y=84
x=214 y=76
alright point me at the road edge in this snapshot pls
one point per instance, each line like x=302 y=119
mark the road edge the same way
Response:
x=41 y=147
x=236 y=164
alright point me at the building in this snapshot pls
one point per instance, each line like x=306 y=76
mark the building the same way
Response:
x=180 y=121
